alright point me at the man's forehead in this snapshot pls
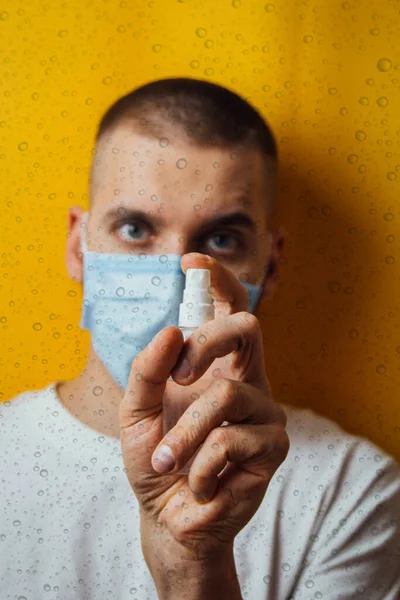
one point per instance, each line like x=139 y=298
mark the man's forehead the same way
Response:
x=124 y=145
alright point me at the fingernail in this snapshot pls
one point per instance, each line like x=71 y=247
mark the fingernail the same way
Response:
x=163 y=460
x=183 y=370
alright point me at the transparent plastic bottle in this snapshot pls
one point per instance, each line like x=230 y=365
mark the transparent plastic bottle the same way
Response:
x=196 y=309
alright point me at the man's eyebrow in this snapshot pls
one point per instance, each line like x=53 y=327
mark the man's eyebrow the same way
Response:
x=240 y=218
x=127 y=214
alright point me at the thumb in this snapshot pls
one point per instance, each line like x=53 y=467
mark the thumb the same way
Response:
x=148 y=377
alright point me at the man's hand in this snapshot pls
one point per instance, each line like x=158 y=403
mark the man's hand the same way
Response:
x=194 y=519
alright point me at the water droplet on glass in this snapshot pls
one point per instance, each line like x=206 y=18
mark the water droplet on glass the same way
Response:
x=382 y=101
x=37 y=326
x=384 y=64
x=334 y=286
x=155 y=280
x=3 y=16
x=309 y=584
x=194 y=64
x=97 y=390
x=307 y=39
x=201 y=32
x=343 y=111
x=164 y=142
x=202 y=339
x=364 y=101
x=286 y=567
x=392 y=176
x=352 y=158
x=120 y=291
x=23 y=146
x=361 y=136
x=107 y=80
x=163 y=259
x=353 y=334
x=269 y=8
x=332 y=91
x=16 y=523
x=157 y=48
x=381 y=369
x=389 y=260
x=388 y=216
x=181 y=163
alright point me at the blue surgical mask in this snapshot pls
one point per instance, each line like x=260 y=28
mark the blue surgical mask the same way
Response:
x=128 y=299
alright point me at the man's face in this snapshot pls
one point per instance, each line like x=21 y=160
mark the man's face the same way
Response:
x=165 y=196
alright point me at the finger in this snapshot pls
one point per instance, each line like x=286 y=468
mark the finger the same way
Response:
x=256 y=451
x=224 y=400
x=239 y=334
x=149 y=373
x=230 y=296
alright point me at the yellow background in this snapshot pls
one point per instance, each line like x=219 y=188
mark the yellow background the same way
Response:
x=326 y=76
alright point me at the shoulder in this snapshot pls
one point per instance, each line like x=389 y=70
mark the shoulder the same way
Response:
x=16 y=414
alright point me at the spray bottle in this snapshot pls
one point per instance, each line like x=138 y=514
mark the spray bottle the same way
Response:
x=196 y=309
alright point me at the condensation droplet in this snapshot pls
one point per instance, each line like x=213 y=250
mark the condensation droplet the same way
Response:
x=381 y=369
x=97 y=390
x=37 y=326
x=352 y=158
x=43 y=473
x=120 y=292
x=389 y=260
x=343 y=111
x=353 y=334
x=384 y=64
x=307 y=39
x=181 y=163
x=334 y=286
x=392 y=176
x=202 y=339
x=157 y=48
x=201 y=32
x=388 y=216
x=163 y=142
x=364 y=101
x=382 y=101
x=332 y=91
x=361 y=136
x=194 y=64
x=107 y=80
x=269 y=8
x=156 y=280
x=23 y=146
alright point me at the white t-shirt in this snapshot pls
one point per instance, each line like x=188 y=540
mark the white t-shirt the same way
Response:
x=328 y=527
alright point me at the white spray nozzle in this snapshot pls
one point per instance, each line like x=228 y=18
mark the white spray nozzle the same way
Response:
x=197 y=306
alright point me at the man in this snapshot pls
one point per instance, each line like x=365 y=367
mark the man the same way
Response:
x=184 y=175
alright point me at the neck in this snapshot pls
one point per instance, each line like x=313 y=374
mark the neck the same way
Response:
x=93 y=397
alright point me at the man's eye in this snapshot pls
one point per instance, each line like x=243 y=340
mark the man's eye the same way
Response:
x=223 y=241
x=133 y=232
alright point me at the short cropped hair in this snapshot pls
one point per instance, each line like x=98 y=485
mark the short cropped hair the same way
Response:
x=209 y=114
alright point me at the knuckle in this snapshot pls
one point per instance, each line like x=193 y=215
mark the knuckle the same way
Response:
x=225 y=390
x=217 y=439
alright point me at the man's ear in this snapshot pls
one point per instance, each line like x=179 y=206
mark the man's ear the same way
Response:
x=272 y=278
x=73 y=256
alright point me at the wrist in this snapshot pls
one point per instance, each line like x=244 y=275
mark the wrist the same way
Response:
x=180 y=572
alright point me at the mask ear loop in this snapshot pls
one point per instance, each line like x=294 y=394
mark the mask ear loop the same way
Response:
x=85 y=317
x=84 y=221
